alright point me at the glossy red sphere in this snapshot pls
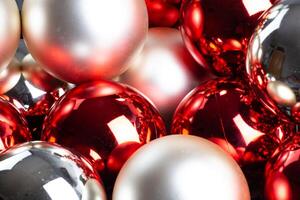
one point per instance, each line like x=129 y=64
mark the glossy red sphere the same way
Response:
x=104 y=121
x=216 y=32
x=13 y=126
x=163 y=13
x=227 y=113
x=282 y=173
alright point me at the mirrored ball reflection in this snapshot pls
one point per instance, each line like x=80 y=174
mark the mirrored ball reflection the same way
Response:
x=164 y=13
x=13 y=126
x=216 y=32
x=282 y=172
x=273 y=63
x=104 y=121
x=33 y=102
x=227 y=113
x=39 y=170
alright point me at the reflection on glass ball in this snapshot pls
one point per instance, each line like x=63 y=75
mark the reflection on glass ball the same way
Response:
x=282 y=172
x=227 y=113
x=273 y=63
x=13 y=126
x=39 y=170
x=163 y=13
x=216 y=32
x=33 y=102
x=106 y=122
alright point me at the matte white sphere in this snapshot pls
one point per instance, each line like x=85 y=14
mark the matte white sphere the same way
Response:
x=181 y=168
x=10 y=28
x=84 y=40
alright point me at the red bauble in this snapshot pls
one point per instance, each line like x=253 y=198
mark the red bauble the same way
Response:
x=282 y=172
x=216 y=31
x=13 y=126
x=227 y=113
x=163 y=13
x=104 y=121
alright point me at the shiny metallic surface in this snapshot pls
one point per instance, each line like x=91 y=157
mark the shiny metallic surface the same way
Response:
x=10 y=28
x=84 y=40
x=164 y=71
x=228 y=113
x=10 y=76
x=217 y=32
x=281 y=93
x=181 y=168
x=163 y=13
x=104 y=121
x=34 y=73
x=39 y=170
x=33 y=102
x=13 y=126
x=282 y=172
x=273 y=63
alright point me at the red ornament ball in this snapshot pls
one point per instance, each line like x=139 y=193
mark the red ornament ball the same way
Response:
x=227 y=113
x=164 y=13
x=104 y=121
x=13 y=126
x=216 y=32
x=282 y=172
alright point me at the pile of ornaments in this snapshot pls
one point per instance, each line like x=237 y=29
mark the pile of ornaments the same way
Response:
x=149 y=99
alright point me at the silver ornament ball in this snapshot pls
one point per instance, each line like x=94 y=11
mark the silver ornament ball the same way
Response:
x=181 y=168
x=273 y=63
x=84 y=40
x=39 y=170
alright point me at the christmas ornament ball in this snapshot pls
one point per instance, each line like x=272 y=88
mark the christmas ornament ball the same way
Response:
x=13 y=126
x=39 y=170
x=84 y=40
x=163 y=13
x=226 y=112
x=181 y=168
x=216 y=32
x=282 y=172
x=272 y=60
x=10 y=29
x=164 y=71
x=105 y=121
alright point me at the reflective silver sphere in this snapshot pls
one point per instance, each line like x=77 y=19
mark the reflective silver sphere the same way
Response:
x=39 y=170
x=273 y=61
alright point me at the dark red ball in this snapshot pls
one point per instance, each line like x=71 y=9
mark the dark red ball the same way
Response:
x=104 y=121
x=216 y=32
x=282 y=172
x=227 y=113
x=13 y=126
x=163 y=13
